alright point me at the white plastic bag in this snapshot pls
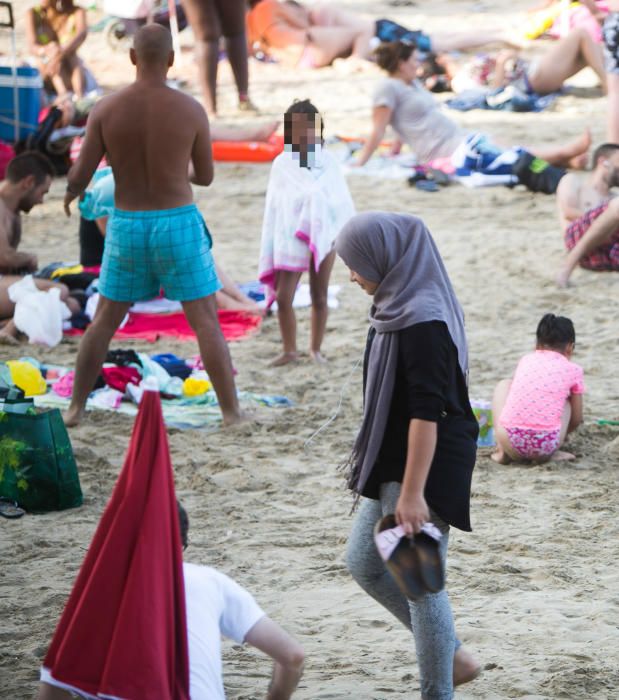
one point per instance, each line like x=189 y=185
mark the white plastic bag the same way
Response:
x=38 y=314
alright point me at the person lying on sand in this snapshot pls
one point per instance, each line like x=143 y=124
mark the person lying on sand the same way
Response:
x=27 y=181
x=216 y=605
x=156 y=238
x=589 y=215
x=315 y=34
x=543 y=76
x=534 y=411
x=403 y=103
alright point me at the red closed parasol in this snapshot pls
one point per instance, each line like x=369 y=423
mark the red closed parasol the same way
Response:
x=123 y=632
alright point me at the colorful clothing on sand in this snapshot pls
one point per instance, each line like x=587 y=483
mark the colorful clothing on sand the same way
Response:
x=605 y=257
x=146 y=251
x=304 y=211
x=543 y=382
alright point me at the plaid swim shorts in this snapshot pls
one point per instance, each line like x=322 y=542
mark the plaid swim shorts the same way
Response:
x=149 y=251
x=606 y=257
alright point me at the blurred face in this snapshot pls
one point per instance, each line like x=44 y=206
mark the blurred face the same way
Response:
x=408 y=69
x=365 y=284
x=33 y=194
x=612 y=168
x=305 y=129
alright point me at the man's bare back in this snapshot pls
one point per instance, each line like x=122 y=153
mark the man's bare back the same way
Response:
x=150 y=134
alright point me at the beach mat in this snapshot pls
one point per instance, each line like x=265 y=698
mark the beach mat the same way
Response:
x=235 y=325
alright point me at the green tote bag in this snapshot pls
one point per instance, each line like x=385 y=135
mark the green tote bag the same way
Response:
x=37 y=466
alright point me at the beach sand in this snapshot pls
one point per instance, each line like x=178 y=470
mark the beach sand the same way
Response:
x=534 y=587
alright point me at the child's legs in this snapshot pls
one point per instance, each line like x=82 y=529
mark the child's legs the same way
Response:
x=613 y=107
x=500 y=434
x=285 y=288
x=565 y=422
x=319 y=291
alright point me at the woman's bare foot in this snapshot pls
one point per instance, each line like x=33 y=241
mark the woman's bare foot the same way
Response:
x=577 y=152
x=263 y=132
x=284 y=359
x=500 y=457
x=230 y=419
x=318 y=357
x=73 y=417
x=466 y=667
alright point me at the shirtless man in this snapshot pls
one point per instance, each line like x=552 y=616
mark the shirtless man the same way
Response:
x=589 y=215
x=27 y=181
x=156 y=238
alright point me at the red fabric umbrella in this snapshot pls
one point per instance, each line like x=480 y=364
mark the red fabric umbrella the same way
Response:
x=123 y=632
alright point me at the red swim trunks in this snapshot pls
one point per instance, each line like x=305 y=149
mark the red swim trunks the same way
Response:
x=606 y=257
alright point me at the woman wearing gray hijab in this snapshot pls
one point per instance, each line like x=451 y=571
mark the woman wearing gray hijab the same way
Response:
x=416 y=448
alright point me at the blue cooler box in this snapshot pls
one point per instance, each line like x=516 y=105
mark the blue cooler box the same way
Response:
x=29 y=87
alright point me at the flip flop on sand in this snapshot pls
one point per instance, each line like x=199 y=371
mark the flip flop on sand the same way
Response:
x=400 y=556
x=10 y=509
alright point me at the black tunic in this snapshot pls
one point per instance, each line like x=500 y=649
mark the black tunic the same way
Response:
x=429 y=385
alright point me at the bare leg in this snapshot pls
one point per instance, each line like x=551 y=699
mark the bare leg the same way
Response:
x=285 y=288
x=202 y=317
x=613 y=107
x=572 y=155
x=560 y=455
x=599 y=233
x=8 y=334
x=51 y=692
x=231 y=297
x=503 y=452
x=91 y=354
x=566 y=58
x=329 y=43
x=207 y=58
x=255 y=132
x=319 y=290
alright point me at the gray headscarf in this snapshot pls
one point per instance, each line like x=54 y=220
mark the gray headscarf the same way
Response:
x=398 y=252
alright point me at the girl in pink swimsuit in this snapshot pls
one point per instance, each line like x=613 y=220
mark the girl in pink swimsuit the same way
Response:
x=534 y=411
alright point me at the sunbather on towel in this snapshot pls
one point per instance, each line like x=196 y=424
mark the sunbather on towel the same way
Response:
x=27 y=181
x=402 y=102
x=589 y=215
x=316 y=34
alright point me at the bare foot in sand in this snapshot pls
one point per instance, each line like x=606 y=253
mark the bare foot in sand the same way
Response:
x=284 y=359
x=466 y=667
x=577 y=153
x=561 y=456
x=237 y=418
x=500 y=457
x=318 y=357
x=73 y=417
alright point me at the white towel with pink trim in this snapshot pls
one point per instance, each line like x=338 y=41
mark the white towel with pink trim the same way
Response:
x=304 y=211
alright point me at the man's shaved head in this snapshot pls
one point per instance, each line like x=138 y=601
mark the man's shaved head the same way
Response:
x=153 y=45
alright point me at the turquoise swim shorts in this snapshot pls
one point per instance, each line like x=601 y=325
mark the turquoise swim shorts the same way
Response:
x=149 y=251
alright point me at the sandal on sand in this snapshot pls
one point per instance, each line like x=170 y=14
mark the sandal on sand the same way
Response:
x=400 y=556
x=10 y=509
x=430 y=563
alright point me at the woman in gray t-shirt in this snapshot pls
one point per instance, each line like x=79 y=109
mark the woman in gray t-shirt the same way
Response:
x=400 y=101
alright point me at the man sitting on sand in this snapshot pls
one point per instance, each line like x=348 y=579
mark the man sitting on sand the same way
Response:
x=216 y=605
x=589 y=215
x=156 y=238
x=27 y=181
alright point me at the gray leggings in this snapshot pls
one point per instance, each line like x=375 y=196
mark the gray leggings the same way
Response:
x=429 y=618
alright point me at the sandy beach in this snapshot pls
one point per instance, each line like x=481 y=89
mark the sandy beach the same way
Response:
x=534 y=587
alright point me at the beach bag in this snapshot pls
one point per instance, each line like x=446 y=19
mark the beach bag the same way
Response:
x=37 y=466
x=537 y=174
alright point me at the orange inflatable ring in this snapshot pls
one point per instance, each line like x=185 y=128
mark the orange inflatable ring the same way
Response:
x=248 y=151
